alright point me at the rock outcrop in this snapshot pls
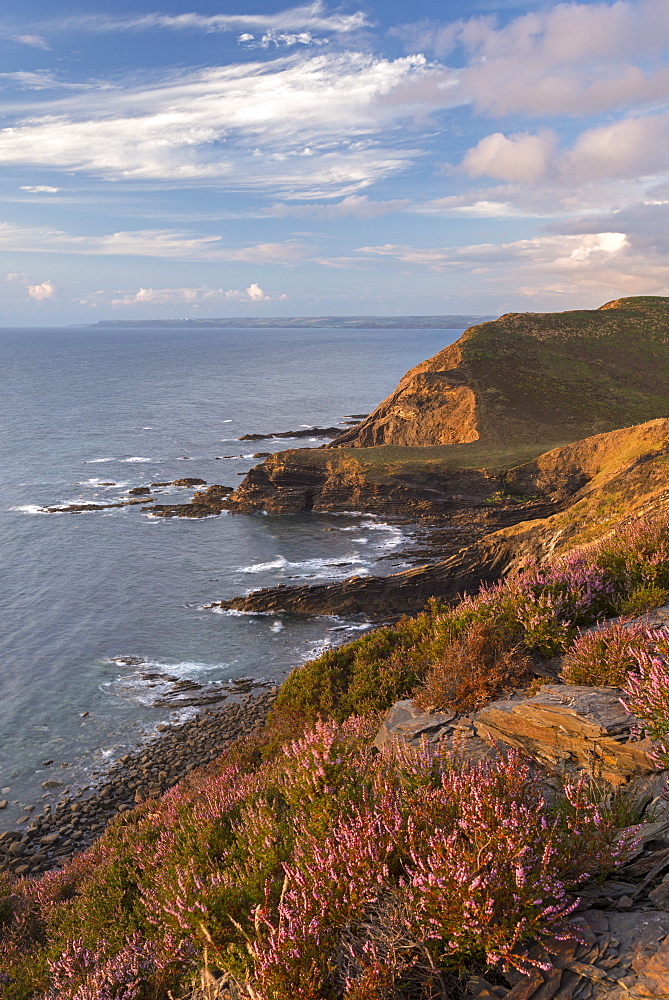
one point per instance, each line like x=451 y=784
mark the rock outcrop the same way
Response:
x=566 y=728
x=545 y=377
x=616 y=477
x=620 y=943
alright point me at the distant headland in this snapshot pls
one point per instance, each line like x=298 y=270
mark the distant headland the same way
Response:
x=452 y=322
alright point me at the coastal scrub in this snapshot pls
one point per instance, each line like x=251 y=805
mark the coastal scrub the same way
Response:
x=537 y=612
x=327 y=868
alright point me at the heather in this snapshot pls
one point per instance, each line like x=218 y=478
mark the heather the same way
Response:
x=536 y=613
x=604 y=655
x=305 y=864
x=330 y=871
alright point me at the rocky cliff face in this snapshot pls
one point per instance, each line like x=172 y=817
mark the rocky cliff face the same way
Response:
x=302 y=480
x=545 y=377
x=596 y=484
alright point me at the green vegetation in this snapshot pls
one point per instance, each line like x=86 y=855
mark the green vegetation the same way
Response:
x=304 y=865
x=601 y=369
x=390 y=460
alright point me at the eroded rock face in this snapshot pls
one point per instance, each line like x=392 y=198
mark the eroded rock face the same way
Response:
x=515 y=379
x=294 y=481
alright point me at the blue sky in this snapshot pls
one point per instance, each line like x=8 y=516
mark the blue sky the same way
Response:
x=260 y=158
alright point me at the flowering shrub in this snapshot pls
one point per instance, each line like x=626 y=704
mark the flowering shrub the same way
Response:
x=647 y=690
x=539 y=609
x=604 y=655
x=329 y=872
x=472 y=670
x=312 y=868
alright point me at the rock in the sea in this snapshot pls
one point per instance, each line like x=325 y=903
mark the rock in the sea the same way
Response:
x=188 y=481
x=205 y=503
x=303 y=432
x=138 y=491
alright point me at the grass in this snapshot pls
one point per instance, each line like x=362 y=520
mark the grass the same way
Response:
x=394 y=460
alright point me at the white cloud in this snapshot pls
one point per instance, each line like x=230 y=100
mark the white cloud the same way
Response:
x=42 y=292
x=564 y=250
x=312 y=16
x=569 y=58
x=353 y=206
x=520 y=157
x=43 y=79
x=39 y=189
x=556 y=270
x=280 y=40
x=165 y=244
x=628 y=149
x=182 y=296
x=36 y=41
x=238 y=126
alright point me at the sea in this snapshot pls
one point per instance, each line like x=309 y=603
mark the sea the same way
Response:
x=104 y=633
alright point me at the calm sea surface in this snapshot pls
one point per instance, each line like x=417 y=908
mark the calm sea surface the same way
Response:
x=101 y=613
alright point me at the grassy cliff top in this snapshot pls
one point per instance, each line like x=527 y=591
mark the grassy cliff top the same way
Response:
x=526 y=377
x=584 y=370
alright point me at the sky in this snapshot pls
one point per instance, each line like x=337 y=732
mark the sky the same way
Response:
x=252 y=157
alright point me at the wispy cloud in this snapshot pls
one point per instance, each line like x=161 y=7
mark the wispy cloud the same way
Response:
x=252 y=125
x=312 y=16
x=43 y=79
x=353 y=206
x=552 y=269
x=163 y=244
x=35 y=41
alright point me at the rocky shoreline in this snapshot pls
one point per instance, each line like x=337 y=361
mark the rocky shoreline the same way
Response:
x=57 y=832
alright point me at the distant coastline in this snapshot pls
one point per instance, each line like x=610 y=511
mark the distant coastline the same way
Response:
x=451 y=322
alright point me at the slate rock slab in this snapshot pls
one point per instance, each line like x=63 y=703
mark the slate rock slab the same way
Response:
x=569 y=727
x=407 y=722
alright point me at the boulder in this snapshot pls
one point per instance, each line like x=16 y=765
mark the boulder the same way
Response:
x=406 y=722
x=567 y=727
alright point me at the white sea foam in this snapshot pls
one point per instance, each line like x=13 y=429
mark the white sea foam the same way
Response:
x=183 y=670
x=395 y=535
x=347 y=563
x=29 y=508
x=137 y=458
x=98 y=461
x=233 y=613
x=148 y=682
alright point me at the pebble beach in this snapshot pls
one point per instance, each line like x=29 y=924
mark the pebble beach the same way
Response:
x=56 y=832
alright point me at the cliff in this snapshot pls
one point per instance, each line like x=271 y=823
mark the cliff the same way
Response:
x=544 y=377
x=595 y=485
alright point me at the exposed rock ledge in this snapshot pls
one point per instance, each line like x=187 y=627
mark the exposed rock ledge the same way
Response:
x=594 y=485
x=620 y=944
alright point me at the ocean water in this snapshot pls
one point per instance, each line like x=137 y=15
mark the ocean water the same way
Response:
x=101 y=613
